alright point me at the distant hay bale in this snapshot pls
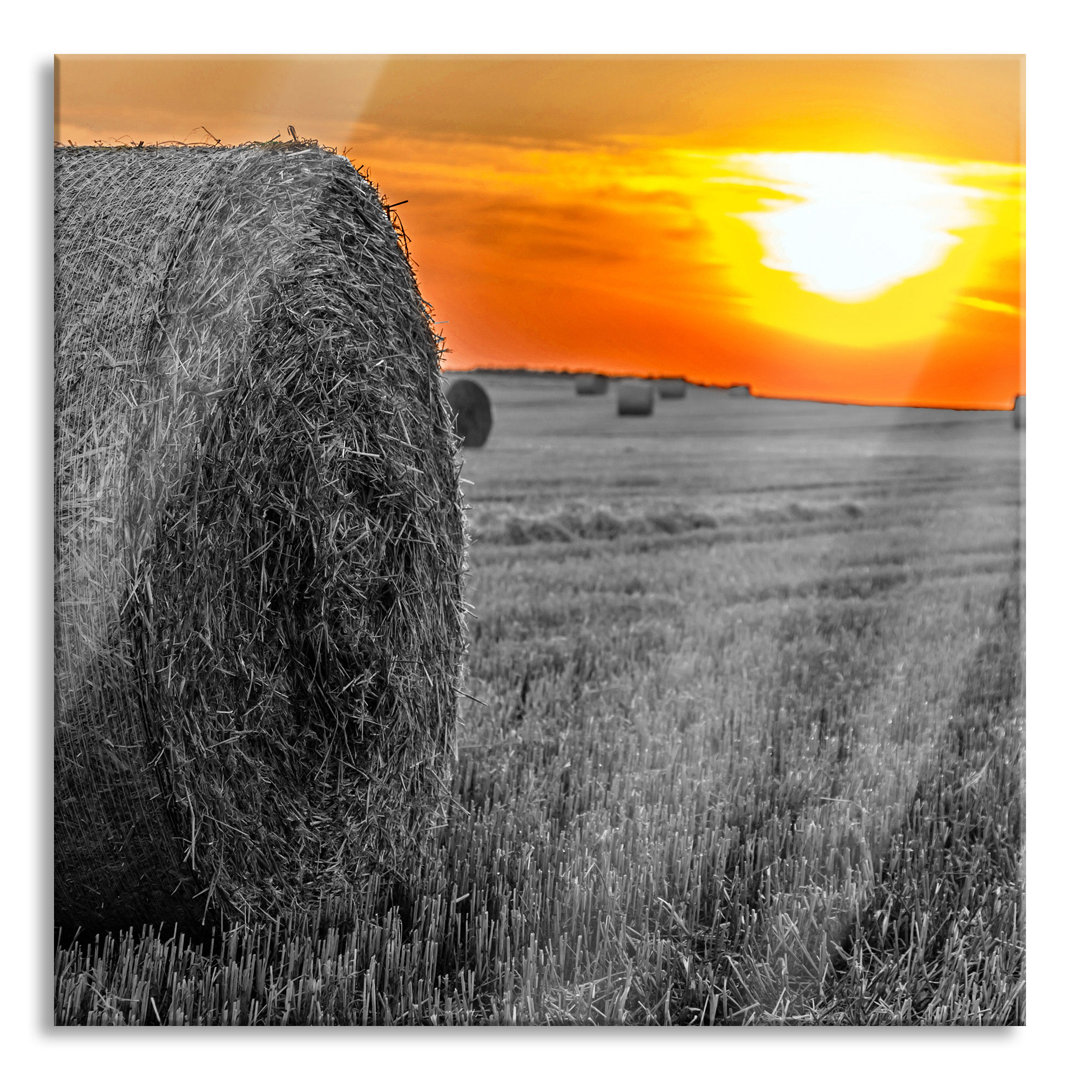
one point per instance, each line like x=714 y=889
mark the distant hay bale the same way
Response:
x=589 y=384
x=259 y=536
x=741 y=390
x=635 y=398
x=1020 y=411
x=671 y=388
x=471 y=409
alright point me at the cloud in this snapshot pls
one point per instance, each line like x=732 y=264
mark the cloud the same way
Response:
x=995 y=306
x=962 y=106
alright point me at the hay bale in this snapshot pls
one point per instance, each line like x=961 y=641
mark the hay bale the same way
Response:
x=259 y=537
x=1019 y=411
x=671 y=388
x=739 y=390
x=635 y=398
x=587 y=383
x=471 y=408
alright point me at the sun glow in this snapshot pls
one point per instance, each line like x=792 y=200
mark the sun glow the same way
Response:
x=862 y=222
x=855 y=249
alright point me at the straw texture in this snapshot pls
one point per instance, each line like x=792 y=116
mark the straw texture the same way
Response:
x=588 y=384
x=259 y=536
x=635 y=398
x=471 y=407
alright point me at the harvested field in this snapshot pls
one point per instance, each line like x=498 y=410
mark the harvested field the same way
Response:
x=744 y=746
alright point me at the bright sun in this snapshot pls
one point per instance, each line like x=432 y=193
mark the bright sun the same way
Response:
x=864 y=222
x=857 y=249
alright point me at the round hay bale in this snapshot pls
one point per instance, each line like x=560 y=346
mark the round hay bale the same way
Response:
x=589 y=384
x=635 y=398
x=671 y=388
x=1020 y=411
x=259 y=538
x=471 y=408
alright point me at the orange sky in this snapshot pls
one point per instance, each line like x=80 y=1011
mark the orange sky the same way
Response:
x=846 y=228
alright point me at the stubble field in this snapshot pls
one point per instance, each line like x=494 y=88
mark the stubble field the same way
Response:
x=744 y=742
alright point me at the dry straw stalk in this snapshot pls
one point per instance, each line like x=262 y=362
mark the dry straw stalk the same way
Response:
x=259 y=538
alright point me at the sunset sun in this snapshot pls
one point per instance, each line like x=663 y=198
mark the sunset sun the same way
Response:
x=856 y=249
x=862 y=222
